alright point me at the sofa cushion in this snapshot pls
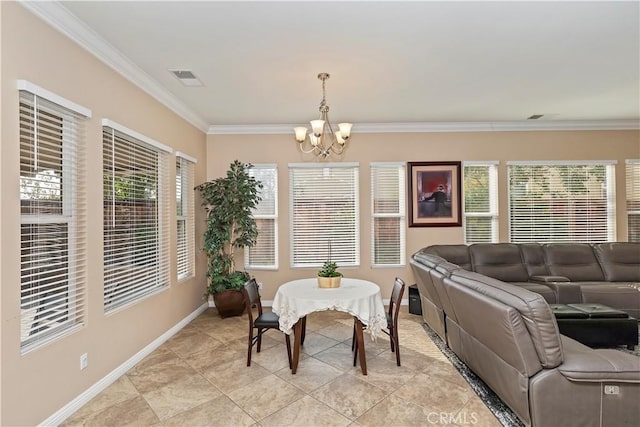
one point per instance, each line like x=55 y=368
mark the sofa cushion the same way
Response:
x=456 y=254
x=573 y=260
x=533 y=259
x=547 y=293
x=533 y=308
x=427 y=259
x=501 y=261
x=619 y=261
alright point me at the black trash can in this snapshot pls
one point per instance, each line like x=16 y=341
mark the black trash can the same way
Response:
x=415 y=306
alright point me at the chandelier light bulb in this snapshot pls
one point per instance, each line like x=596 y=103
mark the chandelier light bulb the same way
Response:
x=345 y=130
x=301 y=133
x=317 y=126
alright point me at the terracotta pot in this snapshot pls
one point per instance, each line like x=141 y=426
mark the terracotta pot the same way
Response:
x=329 y=282
x=229 y=303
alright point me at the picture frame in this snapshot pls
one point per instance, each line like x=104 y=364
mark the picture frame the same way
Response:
x=435 y=194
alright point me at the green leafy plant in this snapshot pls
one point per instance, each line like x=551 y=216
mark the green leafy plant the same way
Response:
x=229 y=202
x=329 y=269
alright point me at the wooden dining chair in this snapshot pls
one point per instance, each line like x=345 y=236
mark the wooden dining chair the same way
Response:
x=392 y=321
x=262 y=323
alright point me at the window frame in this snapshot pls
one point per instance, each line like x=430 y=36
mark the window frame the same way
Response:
x=632 y=169
x=354 y=170
x=271 y=217
x=141 y=290
x=186 y=165
x=401 y=167
x=71 y=281
x=493 y=212
x=610 y=221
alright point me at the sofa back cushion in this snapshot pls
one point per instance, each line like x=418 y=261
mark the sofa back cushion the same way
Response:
x=573 y=260
x=533 y=259
x=532 y=307
x=619 y=261
x=501 y=261
x=456 y=254
x=422 y=264
x=441 y=272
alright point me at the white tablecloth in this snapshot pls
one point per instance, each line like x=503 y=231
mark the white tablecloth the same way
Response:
x=359 y=298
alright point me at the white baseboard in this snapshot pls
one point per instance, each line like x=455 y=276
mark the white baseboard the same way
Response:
x=67 y=410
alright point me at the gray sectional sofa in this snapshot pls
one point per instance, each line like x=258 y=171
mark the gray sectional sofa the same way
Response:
x=490 y=304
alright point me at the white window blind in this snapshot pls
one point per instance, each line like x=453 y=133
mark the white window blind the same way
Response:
x=480 y=202
x=561 y=201
x=185 y=245
x=136 y=211
x=53 y=281
x=324 y=214
x=388 y=190
x=264 y=254
x=633 y=199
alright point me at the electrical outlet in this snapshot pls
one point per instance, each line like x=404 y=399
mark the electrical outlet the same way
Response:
x=84 y=361
x=611 y=389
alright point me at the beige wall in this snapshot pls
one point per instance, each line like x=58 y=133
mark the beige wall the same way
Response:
x=35 y=385
x=367 y=148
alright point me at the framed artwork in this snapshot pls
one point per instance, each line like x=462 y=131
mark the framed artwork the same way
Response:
x=435 y=193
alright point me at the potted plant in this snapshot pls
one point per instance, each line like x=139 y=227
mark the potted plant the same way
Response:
x=229 y=202
x=329 y=276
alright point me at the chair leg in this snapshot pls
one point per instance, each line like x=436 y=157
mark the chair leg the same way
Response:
x=249 y=347
x=259 y=338
x=288 y=341
x=353 y=338
x=355 y=352
x=304 y=330
x=397 y=343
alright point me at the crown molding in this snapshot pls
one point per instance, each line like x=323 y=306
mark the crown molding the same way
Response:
x=428 y=127
x=68 y=24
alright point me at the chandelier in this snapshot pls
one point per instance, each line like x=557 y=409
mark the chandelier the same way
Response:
x=322 y=141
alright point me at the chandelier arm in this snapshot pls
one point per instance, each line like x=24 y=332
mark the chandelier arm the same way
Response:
x=305 y=151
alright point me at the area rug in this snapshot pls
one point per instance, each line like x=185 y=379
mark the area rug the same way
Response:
x=501 y=411
x=497 y=407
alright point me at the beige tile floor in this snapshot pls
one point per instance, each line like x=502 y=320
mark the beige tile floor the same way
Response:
x=200 y=378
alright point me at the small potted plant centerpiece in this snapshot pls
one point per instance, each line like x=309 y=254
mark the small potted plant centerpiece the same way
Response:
x=328 y=275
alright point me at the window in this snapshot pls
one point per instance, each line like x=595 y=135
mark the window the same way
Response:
x=186 y=256
x=388 y=227
x=480 y=202
x=633 y=199
x=324 y=214
x=264 y=254
x=561 y=201
x=136 y=228
x=53 y=237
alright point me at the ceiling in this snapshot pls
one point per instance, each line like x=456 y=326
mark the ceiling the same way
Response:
x=390 y=62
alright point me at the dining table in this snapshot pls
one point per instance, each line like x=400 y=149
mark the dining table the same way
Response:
x=362 y=299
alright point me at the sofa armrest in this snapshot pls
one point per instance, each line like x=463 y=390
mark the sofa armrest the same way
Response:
x=548 y=279
x=583 y=364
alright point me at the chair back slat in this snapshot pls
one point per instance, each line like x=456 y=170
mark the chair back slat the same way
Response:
x=251 y=297
x=396 y=298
